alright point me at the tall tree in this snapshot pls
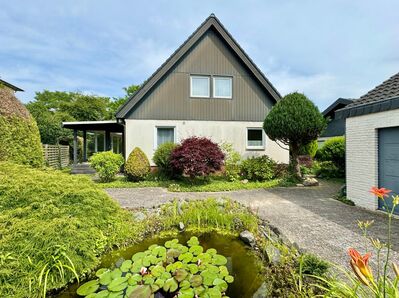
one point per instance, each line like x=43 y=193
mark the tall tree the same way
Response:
x=294 y=121
x=117 y=102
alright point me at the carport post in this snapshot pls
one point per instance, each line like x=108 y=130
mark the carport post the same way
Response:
x=75 y=146
x=84 y=146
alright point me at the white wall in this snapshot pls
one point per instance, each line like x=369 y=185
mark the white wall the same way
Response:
x=362 y=154
x=142 y=133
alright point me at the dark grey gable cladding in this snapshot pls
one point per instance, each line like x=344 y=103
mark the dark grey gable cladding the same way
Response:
x=210 y=22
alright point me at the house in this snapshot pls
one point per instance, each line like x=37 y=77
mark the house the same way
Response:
x=335 y=127
x=9 y=86
x=208 y=87
x=372 y=143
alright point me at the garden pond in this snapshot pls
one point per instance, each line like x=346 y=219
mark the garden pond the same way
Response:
x=241 y=262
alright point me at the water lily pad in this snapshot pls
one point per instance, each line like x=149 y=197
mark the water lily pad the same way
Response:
x=101 y=271
x=143 y=291
x=160 y=282
x=180 y=274
x=118 y=284
x=205 y=257
x=219 y=260
x=193 y=241
x=159 y=251
x=134 y=279
x=199 y=290
x=196 y=249
x=211 y=251
x=193 y=268
x=149 y=281
x=116 y=273
x=170 y=285
x=126 y=266
x=88 y=288
x=186 y=293
x=186 y=257
x=229 y=279
x=116 y=295
x=102 y=294
x=138 y=256
x=208 y=277
x=213 y=268
x=137 y=265
x=152 y=247
x=173 y=253
x=213 y=293
x=157 y=270
x=165 y=275
x=185 y=284
x=106 y=278
x=221 y=284
x=196 y=281
x=223 y=271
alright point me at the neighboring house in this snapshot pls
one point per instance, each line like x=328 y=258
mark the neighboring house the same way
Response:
x=372 y=143
x=335 y=127
x=9 y=86
x=208 y=87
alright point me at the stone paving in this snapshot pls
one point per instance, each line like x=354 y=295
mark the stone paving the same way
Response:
x=308 y=217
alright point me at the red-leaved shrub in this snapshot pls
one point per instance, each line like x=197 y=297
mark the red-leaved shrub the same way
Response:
x=196 y=157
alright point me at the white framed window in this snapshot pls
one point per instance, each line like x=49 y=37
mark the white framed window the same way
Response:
x=200 y=86
x=255 y=138
x=164 y=134
x=222 y=87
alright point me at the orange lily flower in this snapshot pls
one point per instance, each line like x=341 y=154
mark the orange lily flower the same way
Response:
x=380 y=192
x=360 y=265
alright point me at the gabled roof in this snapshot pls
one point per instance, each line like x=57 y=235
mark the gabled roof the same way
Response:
x=15 y=88
x=384 y=97
x=338 y=104
x=209 y=23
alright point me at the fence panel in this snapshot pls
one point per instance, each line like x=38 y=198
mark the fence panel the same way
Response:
x=56 y=156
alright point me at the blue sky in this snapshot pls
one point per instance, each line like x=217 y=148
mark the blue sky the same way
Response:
x=326 y=49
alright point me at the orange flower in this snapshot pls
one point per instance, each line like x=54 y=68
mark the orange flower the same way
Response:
x=360 y=265
x=380 y=192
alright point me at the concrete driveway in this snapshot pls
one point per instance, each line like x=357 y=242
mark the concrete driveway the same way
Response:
x=308 y=217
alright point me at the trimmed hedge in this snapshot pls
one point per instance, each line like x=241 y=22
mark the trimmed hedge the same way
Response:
x=333 y=151
x=47 y=213
x=137 y=166
x=19 y=137
x=259 y=168
x=107 y=164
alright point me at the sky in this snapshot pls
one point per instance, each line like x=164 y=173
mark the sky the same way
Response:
x=326 y=49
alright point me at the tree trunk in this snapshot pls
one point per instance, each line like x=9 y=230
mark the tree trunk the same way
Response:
x=294 y=163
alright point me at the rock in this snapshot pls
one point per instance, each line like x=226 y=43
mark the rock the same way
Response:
x=221 y=201
x=245 y=181
x=247 y=237
x=310 y=182
x=299 y=185
x=181 y=226
x=262 y=292
x=139 y=216
x=273 y=253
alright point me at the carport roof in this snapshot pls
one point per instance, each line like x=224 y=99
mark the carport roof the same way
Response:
x=108 y=125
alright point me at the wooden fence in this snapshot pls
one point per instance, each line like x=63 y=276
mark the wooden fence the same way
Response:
x=56 y=156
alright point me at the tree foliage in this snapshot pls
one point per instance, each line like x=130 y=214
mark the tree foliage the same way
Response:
x=294 y=121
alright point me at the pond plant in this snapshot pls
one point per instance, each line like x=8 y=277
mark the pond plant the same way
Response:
x=171 y=270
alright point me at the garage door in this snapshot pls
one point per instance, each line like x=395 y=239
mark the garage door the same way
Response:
x=388 y=156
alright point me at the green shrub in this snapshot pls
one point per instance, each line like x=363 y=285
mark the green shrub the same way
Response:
x=19 y=135
x=312 y=265
x=258 y=168
x=137 y=166
x=309 y=149
x=232 y=161
x=162 y=158
x=333 y=150
x=327 y=169
x=107 y=164
x=48 y=216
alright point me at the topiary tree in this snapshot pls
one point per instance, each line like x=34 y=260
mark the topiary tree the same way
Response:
x=294 y=121
x=107 y=164
x=196 y=157
x=137 y=166
x=162 y=157
x=19 y=135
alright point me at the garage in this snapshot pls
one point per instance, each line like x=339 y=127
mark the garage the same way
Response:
x=388 y=162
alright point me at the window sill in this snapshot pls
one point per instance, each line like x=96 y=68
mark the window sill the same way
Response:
x=255 y=148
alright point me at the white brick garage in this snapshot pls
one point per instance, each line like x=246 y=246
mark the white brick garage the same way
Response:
x=362 y=154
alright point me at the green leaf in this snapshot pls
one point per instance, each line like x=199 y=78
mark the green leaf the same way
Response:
x=196 y=249
x=116 y=273
x=134 y=279
x=186 y=257
x=138 y=256
x=185 y=284
x=186 y=293
x=126 y=266
x=101 y=271
x=221 y=284
x=170 y=285
x=193 y=268
x=143 y=291
x=219 y=260
x=196 y=281
x=88 y=288
x=193 y=241
x=106 y=278
x=118 y=284
x=229 y=279
x=211 y=251
x=180 y=274
x=157 y=270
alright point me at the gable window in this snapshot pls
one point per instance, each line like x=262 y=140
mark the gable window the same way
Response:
x=164 y=135
x=199 y=86
x=255 y=139
x=222 y=87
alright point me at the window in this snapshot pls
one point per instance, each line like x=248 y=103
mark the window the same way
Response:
x=199 y=86
x=222 y=87
x=164 y=135
x=255 y=138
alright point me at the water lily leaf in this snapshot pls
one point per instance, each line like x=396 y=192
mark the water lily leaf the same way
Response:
x=185 y=284
x=101 y=271
x=129 y=290
x=193 y=268
x=213 y=293
x=149 y=281
x=106 y=278
x=137 y=265
x=193 y=241
x=229 y=279
x=199 y=290
x=223 y=271
x=186 y=293
x=118 y=284
x=88 y=288
x=160 y=282
x=211 y=251
x=221 y=284
x=102 y=294
x=186 y=257
x=138 y=256
x=196 y=281
x=159 y=251
x=205 y=257
x=116 y=295
x=92 y=295
x=172 y=267
x=134 y=279
x=116 y=273
x=154 y=288
x=213 y=268
x=208 y=277
x=180 y=274
x=173 y=253
x=165 y=275
x=170 y=285
x=126 y=266
x=151 y=247
x=143 y=291
x=196 y=249
x=219 y=260
x=157 y=270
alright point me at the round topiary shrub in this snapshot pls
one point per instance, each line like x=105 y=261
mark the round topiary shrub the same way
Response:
x=19 y=135
x=137 y=166
x=259 y=168
x=162 y=158
x=107 y=164
x=196 y=157
x=333 y=150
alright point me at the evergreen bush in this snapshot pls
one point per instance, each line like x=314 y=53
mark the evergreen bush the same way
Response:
x=107 y=164
x=137 y=166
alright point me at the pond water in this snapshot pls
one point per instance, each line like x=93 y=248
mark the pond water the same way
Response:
x=243 y=264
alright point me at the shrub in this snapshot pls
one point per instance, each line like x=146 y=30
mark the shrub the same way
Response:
x=328 y=169
x=312 y=265
x=137 y=166
x=281 y=170
x=107 y=164
x=258 y=168
x=48 y=216
x=196 y=157
x=333 y=150
x=232 y=162
x=19 y=135
x=309 y=149
x=162 y=158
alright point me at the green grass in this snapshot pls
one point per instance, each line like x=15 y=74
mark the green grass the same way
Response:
x=214 y=184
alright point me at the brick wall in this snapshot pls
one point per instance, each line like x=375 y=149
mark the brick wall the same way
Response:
x=362 y=154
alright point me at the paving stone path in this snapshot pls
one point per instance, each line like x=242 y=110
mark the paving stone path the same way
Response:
x=307 y=216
